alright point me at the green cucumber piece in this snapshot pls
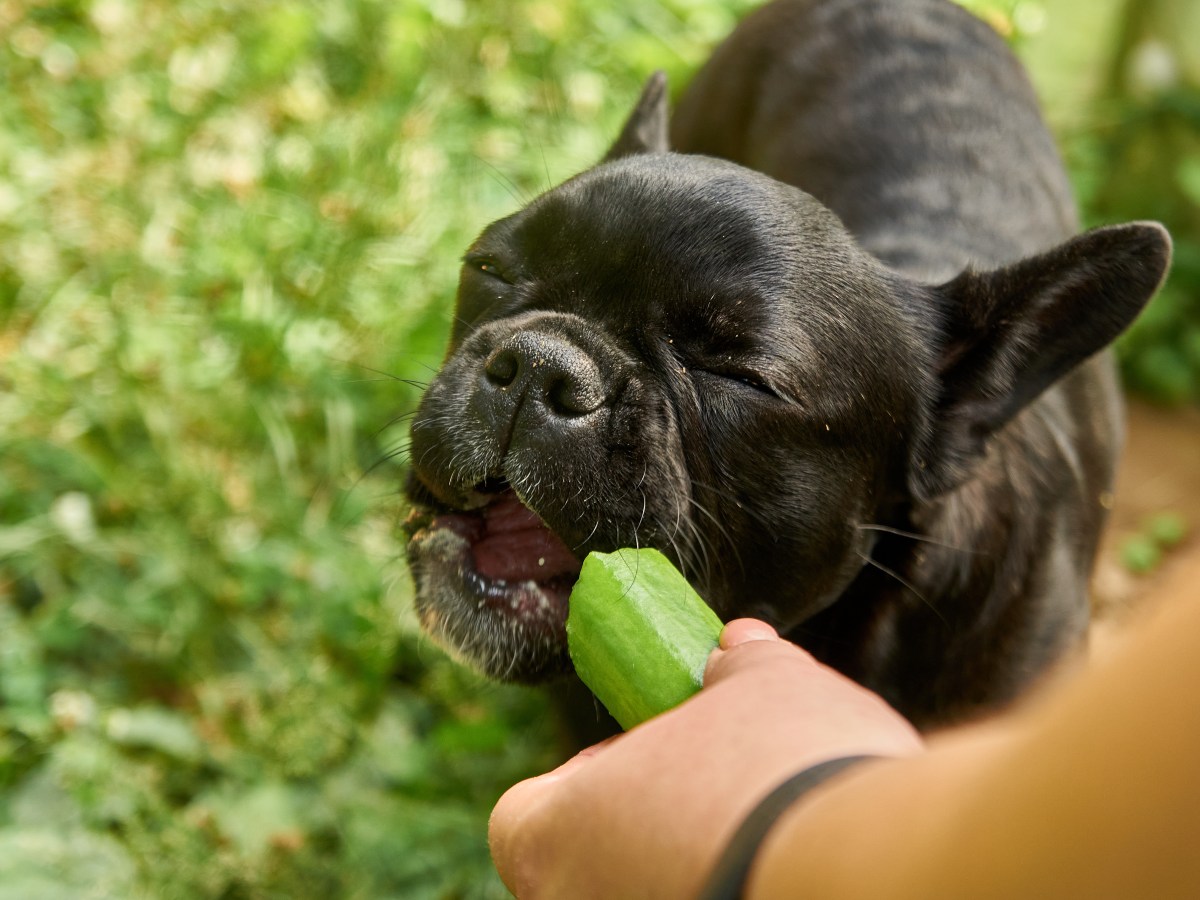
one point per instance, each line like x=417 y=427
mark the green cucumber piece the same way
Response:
x=638 y=634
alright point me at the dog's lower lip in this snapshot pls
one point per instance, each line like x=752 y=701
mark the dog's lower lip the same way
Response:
x=544 y=601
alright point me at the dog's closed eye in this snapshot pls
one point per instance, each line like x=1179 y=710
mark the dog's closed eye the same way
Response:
x=488 y=267
x=744 y=377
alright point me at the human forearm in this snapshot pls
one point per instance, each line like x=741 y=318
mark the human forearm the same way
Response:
x=1091 y=792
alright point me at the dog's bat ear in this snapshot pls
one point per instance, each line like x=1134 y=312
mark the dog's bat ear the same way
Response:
x=1011 y=333
x=645 y=130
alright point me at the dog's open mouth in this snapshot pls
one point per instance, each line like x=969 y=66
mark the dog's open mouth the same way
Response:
x=493 y=583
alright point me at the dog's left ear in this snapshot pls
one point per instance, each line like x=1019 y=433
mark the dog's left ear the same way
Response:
x=1009 y=334
x=645 y=130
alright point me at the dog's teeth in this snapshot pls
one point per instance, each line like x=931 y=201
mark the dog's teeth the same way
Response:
x=541 y=560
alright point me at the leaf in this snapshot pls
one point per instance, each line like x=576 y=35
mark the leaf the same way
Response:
x=1140 y=554
x=260 y=817
x=155 y=728
x=1167 y=529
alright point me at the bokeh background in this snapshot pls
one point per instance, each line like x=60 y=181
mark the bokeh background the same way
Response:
x=229 y=238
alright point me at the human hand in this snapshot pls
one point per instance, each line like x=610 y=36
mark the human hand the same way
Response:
x=647 y=813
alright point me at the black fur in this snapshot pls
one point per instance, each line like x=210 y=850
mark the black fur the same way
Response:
x=848 y=377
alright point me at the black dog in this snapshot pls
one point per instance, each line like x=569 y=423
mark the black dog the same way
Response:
x=846 y=377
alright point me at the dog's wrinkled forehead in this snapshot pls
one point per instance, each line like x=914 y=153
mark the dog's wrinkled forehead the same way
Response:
x=674 y=227
x=681 y=203
x=659 y=211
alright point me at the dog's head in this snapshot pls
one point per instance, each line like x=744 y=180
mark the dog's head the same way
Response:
x=678 y=352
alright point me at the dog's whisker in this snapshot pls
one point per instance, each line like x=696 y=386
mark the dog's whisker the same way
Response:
x=505 y=181
x=400 y=450
x=734 y=499
x=704 y=553
x=387 y=376
x=721 y=529
x=391 y=423
x=925 y=539
x=465 y=323
x=678 y=520
x=591 y=535
x=672 y=537
x=645 y=504
x=893 y=574
x=398 y=453
x=545 y=167
x=716 y=490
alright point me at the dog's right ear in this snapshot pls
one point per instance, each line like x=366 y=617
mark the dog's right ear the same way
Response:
x=1010 y=333
x=645 y=130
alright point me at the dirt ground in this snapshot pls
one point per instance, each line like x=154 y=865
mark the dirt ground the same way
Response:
x=1160 y=472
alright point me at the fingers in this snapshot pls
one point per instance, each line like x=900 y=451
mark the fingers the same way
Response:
x=524 y=795
x=508 y=838
x=514 y=826
x=516 y=831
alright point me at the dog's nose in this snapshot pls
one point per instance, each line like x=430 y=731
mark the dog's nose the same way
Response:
x=547 y=370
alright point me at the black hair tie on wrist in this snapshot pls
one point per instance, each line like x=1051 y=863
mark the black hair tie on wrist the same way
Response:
x=728 y=879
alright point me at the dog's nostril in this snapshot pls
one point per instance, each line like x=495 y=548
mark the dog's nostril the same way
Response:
x=503 y=367
x=572 y=396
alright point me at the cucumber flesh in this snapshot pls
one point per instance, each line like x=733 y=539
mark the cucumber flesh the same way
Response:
x=638 y=634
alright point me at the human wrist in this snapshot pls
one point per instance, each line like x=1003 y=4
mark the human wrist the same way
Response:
x=729 y=878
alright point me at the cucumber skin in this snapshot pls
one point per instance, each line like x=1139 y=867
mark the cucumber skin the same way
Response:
x=638 y=634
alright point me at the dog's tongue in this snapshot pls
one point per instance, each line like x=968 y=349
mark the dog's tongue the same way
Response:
x=516 y=546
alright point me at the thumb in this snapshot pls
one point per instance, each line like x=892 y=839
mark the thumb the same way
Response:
x=749 y=644
x=741 y=631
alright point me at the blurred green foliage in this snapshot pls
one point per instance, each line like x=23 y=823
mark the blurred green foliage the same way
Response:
x=228 y=243
x=1121 y=83
x=1143 y=160
x=1162 y=532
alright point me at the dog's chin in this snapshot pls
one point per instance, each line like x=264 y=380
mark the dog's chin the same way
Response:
x=492 y=587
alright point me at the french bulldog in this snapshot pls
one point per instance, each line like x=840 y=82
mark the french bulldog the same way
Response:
x=829 y=339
